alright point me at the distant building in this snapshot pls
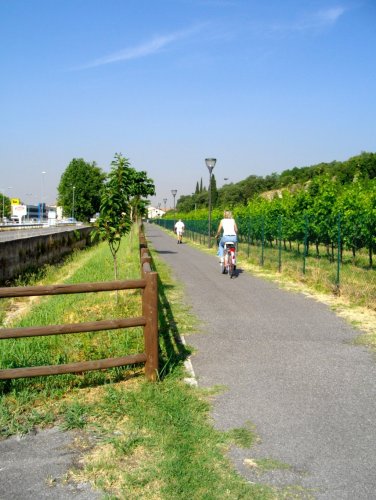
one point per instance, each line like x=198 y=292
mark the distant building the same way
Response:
x=59 y=213
x=154 y=213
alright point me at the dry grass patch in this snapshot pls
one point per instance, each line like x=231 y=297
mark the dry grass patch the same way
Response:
x=362 y=318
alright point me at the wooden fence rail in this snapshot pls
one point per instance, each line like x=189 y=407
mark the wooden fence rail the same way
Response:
x=149 y=321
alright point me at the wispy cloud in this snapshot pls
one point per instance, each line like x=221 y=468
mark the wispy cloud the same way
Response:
x=311 y=22
x=330 y=16
x=322 y=18
x=145 y=49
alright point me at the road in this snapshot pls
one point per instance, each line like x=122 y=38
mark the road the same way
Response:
x=289 y=368
x=16 y=234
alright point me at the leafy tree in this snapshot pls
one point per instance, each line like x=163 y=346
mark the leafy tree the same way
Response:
x=186 y=203
x=229 y=196
x=120 y=202
x=202 y=199
x=197 y=190
x=141 y=187
x=5 y=202
x=87 y=180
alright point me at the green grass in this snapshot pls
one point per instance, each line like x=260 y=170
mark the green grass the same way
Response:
x=138 y=439
x=91 y=265
x=164 y=446
x=357 y=283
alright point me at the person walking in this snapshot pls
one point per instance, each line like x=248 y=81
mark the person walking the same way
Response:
x=230 y=231
x=179 y=229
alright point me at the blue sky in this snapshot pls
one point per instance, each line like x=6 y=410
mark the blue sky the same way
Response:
x=260 y=85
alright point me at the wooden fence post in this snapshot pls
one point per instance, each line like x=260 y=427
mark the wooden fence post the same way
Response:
x=150 y=312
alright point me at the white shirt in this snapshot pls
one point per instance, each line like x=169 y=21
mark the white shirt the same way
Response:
x=179 y=226
x=228 y=226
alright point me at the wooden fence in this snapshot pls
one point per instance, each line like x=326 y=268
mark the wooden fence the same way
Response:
x=149 y=321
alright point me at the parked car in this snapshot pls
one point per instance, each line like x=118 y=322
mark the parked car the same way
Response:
x=68 y=220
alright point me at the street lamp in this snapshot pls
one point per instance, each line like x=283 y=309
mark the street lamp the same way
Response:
x=41 y=199
x=210 y=163
x=164 y=201
x=74 y=187
x=173 y=192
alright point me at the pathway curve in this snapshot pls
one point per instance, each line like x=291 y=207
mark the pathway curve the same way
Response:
x=289 y=368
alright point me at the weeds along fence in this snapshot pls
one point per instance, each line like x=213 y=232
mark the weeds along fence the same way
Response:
x=340 y=259
x=149 y=321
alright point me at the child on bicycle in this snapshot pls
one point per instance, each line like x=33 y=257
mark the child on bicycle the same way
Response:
x=230 y=231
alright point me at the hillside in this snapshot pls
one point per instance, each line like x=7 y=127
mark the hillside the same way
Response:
x=362 y=166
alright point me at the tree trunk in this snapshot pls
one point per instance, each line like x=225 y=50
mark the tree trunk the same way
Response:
x=115 y=267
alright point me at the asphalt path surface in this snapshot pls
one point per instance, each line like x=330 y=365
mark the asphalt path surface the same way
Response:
x=33 y=467
x=288 y=367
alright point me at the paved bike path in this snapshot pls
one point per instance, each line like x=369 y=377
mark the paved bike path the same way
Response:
x=289 y=368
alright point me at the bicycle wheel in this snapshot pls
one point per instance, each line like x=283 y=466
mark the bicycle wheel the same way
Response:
x=230 y=268
x=223 y=268
x=231 y=264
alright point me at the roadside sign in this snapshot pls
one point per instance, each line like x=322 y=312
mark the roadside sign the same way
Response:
x=19 y=210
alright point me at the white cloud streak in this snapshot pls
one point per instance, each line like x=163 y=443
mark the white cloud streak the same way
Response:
x=330 y=16
x=323 y=18
x=143 y=50
x=315 y=21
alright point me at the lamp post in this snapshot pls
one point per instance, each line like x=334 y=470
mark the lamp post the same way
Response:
x=41 y=215
x=74 y=187
x=173 y=192
x=210 y=163
x=164 y=201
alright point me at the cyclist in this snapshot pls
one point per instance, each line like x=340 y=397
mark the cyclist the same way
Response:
x=230 y=230
x=179 y=229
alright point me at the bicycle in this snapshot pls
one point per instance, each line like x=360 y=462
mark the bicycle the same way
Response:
x=229 y=259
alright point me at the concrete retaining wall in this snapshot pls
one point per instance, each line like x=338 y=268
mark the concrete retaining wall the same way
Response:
x=18 y=256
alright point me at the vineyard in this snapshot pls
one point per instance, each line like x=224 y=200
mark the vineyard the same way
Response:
x=326 y=232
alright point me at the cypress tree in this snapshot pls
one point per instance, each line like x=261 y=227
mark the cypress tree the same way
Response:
x=213 y=191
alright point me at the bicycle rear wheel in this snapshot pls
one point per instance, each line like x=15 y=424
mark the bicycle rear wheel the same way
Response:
x=223 y=268
x=232 y=266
